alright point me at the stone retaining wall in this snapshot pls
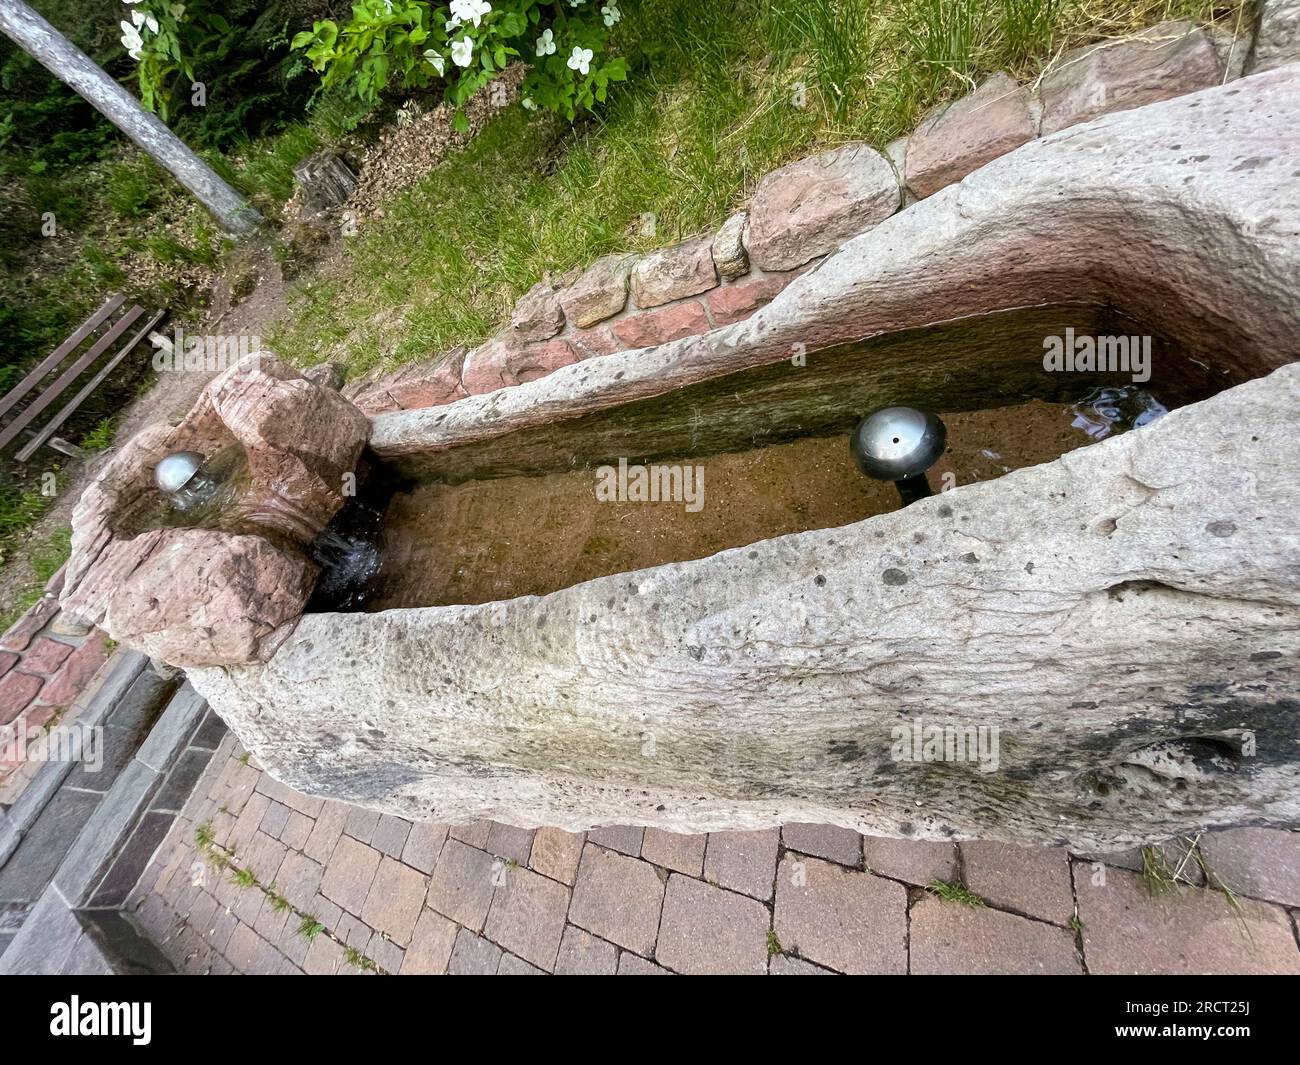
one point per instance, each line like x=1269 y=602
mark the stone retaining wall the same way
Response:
x=803 y=211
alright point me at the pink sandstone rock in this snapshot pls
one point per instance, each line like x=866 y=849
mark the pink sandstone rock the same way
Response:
x=1277 y=42
x=667 y=323
x=674 y=273
x=812 y=206
x=7 y=661
x=600 y=293
x=1160 y=63
x=45 y=655
x=417 y=385
x=504 y=361
x=538 y=360
x=591 y=342
x=217 y=596
x=205 y=598
x=731 y=303
x=538 y=314
x=964 y=135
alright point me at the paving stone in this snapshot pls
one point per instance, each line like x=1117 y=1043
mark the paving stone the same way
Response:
x=264 y=856
x=386 y=954
x=527 y=916
x=617 y=898
x=662 y=325
x=473 y=956
x=395 y=900
x=743 y=861
x=849 y=921
x=361 y=823
x=1263 y=863
x=673 y=273
x=706 y=930
x=270 y=923
x=1030 y=880
x=349 y=874
x=1159 y=63
x=16 y=691
x=556 y=853
x=275 y=818
x=462 y=884
x=474 y=834
x=915 y=861
x=785 y=965
x=585 y=955
x=45 y=655
x=297 y=830
x=20 y=633
x=949 y=937
x=244 y=948
x=248 y=820
x=76 y=674
x=962 y=136
x=812 y=206
x=326 y=832
x=1187 y=931
x=390 y=835
x=674 y=850
x=626 y=839
x=353 y=931
x=324 y=957
x=512 y=966
x=423 y=845
x=431 y=946
x=507 y=841
x=841 y=845
x=631 y=965
x=8 y=659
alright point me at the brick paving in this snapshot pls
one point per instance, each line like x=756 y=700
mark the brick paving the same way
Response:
x=343 y=890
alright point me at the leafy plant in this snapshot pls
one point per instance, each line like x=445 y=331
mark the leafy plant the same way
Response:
x=101 y=436
x=410 y=44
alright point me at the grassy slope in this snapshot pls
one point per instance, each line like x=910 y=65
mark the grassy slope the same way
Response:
x=709 y=112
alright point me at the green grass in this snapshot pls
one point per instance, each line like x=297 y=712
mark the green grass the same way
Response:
x=45 y=557
x=719 y=95
x=100 y=438
x=309 y=927
x=953 y=893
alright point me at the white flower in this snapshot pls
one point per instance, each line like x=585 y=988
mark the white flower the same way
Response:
x=611 y=14
x=178 y=10
x=528 y=104
x=137 y=17
x=152 y=23
x=131 y=40
x=575 y=3
x=546 y=43
x=469 y=10
x=581 y=59
x=462 y=52
x=436 y=61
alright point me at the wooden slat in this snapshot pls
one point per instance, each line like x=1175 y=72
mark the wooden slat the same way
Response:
x=69 y=375
x=60 y=353
x=29 y=449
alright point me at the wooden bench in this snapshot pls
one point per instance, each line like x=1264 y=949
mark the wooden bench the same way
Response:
x=44 y=391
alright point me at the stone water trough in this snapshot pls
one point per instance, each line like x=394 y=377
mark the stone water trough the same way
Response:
x=1112 y=626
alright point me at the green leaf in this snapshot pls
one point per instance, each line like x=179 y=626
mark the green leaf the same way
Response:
x=461 y=122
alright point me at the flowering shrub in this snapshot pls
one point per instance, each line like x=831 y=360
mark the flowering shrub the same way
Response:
x=411 y=43
x=153 y=39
